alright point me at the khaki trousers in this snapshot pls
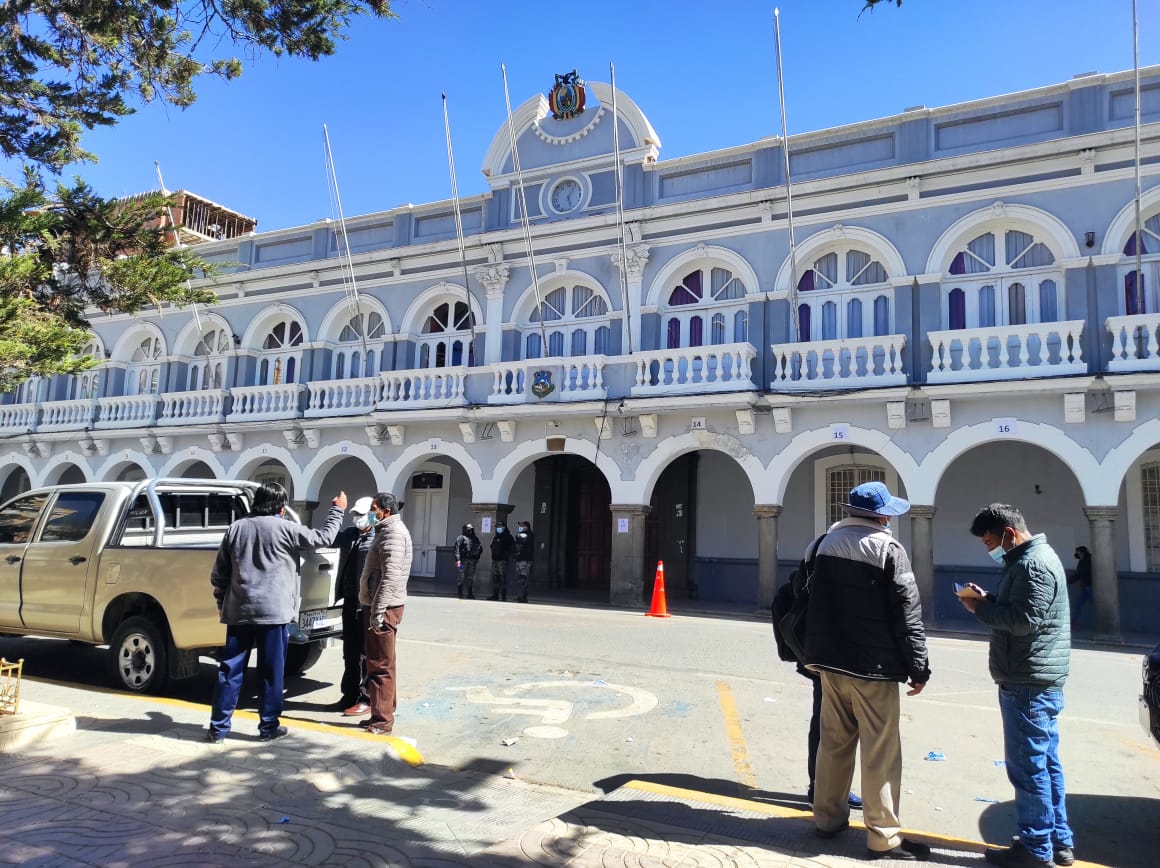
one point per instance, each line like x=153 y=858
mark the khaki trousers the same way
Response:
x=860 y=712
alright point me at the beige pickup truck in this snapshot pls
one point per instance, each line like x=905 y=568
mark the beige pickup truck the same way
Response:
x=127 y=564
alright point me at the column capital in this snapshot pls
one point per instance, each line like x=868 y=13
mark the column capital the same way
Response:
x=922 y=511
x=500 y=509
x=493 y=278
x=634 y=260
x=1101 y=513
x=766 y=510
x=631 y=508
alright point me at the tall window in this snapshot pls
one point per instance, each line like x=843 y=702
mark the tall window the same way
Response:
x=281 y=354
x=1143 y=298
x=360 y=346
x=844 y=294
x=1003 y=278
x=694 y=303
x=1150 y=479
x=446 y=338
x=144 y=371
x=209 y=359
x=839 y=481
x=574 y=319
x=87 y=384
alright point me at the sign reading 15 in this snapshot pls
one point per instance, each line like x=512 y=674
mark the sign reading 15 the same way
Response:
x=840 y=432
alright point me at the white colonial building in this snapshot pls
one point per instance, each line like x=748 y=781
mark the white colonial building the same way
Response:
x=971 y=330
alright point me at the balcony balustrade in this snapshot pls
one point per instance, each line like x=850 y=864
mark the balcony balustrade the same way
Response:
x=351 y=397
x=18 y=418
x=74 y=415
x=126 y=411
x=578 y=379
x=1007 y=352
x=1135 y=344
x=421 y=389
x=853 y=363
x=264 y=403
x=205 y=406
x=695 y=370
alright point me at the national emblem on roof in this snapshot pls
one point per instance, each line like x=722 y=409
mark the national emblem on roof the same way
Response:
x=566 y=98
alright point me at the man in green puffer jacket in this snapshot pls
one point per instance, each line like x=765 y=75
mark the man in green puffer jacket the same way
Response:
x=1030 y=620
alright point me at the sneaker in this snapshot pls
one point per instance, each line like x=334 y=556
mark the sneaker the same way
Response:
x=355 y=710
x=828 y=834
x=1017 y=856
x=213 y=738
x=907 y=851
x=378 y=730
x=280 y=732
x=853 y=800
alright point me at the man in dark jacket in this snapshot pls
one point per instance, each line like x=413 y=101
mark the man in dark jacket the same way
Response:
x=501 y=549
x=1030 y=649
x=864 y=634
x=1083 y=578
x=468 y=548
x=525 y=552
x=258 y=591
x=353 y=544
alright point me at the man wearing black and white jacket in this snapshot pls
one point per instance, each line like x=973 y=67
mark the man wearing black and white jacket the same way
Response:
x=864 y=635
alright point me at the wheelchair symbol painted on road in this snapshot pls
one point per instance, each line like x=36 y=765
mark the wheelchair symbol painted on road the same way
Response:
x=553 y=712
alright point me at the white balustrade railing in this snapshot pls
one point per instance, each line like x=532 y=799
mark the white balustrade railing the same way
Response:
x=853 y=363
x=1006 y=352
x=256 y=403
x=126 y=411
x=429 y=387
x=694 y=370
x=344 y=397
x=188 y=408
x=67 y=415
x=551 y=379
x=1135 y=342
x=18 y=417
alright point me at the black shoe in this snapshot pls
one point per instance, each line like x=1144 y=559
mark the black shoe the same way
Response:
x=907 y=851
x=494 y=597
x=828 y=834
x=1017 y=856
x=460 y=592
x=1064 y=856
x=521 y=599
x=280 y=732
x=213 y=738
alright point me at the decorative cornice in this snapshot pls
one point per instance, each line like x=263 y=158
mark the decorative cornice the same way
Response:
x=544 y=136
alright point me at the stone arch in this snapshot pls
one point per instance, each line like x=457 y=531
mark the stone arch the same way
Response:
x=1045 y=226
x=1083 y=464
x=55 y=467
x=191 y=333
x=255 y=456
x=191 y=454
x=526 y=301
x=12 y=462
x=1124 y=223
x=640 y=489
x=264 y=319
x=1114 y=468
x=127 y=344
x=325 y=459
x=498 y=488
x=398 y=471
x=844 y=236
x=803 y=445
x=412 y=322
x=340 y=314
x=685 y=261
x=113 y=467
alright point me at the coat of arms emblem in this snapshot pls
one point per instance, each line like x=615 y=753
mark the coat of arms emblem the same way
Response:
x=542 y=385
x=566 y=98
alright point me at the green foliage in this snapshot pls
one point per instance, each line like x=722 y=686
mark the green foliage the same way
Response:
x=870 y=4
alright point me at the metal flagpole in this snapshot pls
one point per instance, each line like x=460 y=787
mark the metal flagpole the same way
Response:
x=352 y=286
x=620 y=209
x=794 y=316
x=524 y=212
x=1139 y=236
x=458 y=219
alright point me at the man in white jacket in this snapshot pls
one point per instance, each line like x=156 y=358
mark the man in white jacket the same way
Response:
x=382 y=594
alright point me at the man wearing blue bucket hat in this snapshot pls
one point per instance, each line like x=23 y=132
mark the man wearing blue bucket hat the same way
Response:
x=864 y=635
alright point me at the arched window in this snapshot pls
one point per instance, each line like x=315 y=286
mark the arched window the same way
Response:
x=1144 y=298
x=578 y=311
x=87 y=384
x=281 y=354
x=1002 y=277
x=699 y=297
x=208 y=368
x=446 y=338
x=360 y=346
x=844 y=293
x=143 y=374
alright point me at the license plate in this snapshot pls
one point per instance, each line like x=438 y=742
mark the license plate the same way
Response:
x=317 y=619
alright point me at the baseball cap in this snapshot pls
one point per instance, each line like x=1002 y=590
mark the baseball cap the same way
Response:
x=361 y=506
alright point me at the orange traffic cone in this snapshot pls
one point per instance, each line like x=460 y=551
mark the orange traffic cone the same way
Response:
x=659 y=608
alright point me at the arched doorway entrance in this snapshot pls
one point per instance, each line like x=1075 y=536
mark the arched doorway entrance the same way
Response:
x=15 y=483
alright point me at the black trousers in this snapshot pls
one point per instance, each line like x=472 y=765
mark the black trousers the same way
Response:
x=815 y=725
x=354 y=657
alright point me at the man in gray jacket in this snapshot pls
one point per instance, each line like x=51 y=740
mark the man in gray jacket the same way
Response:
x=383 y=593
x=258 y=590
x=1029 y=617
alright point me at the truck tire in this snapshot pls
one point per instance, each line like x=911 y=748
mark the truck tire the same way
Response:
x=139 y=655
x=299 y=658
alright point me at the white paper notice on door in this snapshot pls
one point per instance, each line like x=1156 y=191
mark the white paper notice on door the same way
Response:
x=622 y=525
x=485 y=524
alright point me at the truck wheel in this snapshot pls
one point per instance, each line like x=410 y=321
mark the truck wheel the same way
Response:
x=138 y=654
x=299 y=658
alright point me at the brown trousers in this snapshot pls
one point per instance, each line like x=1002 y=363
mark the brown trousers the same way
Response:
x=381 y=671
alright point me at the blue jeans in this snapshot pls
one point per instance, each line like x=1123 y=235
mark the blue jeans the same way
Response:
x=1031 y=749
x=271 y=641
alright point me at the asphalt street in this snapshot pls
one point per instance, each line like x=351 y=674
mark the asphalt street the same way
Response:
x=584 y=699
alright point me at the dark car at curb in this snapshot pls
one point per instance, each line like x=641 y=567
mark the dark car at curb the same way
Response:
x=1150 y=697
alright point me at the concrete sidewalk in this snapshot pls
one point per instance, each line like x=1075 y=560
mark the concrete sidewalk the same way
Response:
x=137 y=785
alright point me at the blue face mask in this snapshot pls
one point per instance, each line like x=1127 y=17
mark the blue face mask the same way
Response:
x=997 y=554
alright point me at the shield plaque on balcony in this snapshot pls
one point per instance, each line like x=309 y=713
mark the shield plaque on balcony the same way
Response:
x=542 y=385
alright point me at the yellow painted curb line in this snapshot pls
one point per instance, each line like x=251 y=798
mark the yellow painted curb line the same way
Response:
x=795 y=814
x=403 y=749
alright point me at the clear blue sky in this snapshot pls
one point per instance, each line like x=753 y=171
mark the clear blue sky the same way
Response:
x=704 y=73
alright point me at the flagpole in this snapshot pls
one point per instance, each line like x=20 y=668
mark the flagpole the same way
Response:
x=794 y=317
x=1139 y=236
x=620 y=210
x=458 y=219
x=352 y=291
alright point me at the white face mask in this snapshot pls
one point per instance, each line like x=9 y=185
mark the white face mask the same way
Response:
x=362 y=522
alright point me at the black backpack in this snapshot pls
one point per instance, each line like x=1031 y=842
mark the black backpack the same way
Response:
x=791 y=602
